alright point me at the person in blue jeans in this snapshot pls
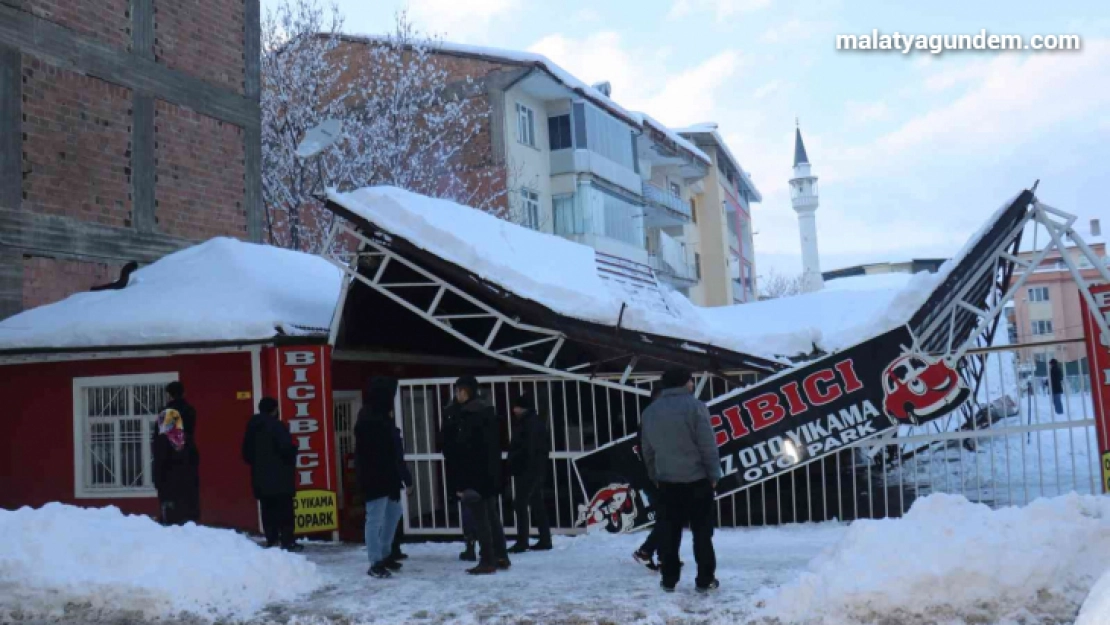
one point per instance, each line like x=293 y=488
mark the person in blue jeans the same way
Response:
x=379 y=474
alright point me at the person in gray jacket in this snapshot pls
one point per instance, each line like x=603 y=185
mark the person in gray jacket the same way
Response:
x=681 y=457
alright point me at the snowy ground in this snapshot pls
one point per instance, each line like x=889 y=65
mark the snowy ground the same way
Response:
x=947 y=562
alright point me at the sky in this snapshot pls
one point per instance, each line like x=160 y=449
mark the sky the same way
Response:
x=913 y=151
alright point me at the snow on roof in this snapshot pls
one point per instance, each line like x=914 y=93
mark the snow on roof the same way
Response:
x=686 y=144
x=710 y=128
x=562 y=275
x=219 y=290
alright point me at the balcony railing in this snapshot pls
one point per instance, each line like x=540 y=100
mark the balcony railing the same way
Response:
x=668 y=256
x=666 y=199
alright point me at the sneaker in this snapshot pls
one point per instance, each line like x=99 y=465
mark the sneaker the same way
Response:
x=645 y=559
x=503 y=564
x=519 y=548
x=379 y=572
x=540 y=547
x=666 y=587
x=482 y=569
x=713 y=585
x=294 y=548
x=391 y=564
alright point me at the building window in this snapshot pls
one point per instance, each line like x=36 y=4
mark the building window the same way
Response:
x=1042 y=327
x=697 y=266
x=675 y=189
x=525 y=125
x=579 y=122
x=558 y=132
x=531 y=203
x=1038 y=294
x=693 y=210
x=113 y=422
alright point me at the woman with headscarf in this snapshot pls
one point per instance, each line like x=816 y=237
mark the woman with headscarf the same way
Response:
x=175 y=470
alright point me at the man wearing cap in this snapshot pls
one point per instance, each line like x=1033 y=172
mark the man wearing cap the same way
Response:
x=528 y=457
x=680 y=454
x=478 y=473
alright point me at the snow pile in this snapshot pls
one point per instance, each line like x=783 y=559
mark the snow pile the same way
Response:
x=1096 y=609
x=101 y=561
x=949 y=560
x=219 y=290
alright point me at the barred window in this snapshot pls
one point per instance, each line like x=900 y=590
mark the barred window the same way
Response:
x=114 y=420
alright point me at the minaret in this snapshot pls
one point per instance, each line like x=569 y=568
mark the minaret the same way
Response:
x=803 y=197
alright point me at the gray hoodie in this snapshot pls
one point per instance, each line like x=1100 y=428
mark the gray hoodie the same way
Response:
x=677 y=443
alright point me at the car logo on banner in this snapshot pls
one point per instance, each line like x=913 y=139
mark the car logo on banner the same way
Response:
x=916 y=386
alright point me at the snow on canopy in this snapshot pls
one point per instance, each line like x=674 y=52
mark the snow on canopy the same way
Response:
x=562 y=275
x=219 y=290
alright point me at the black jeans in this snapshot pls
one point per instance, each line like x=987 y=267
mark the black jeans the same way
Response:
x=529 y=494
x=277 y=520
x=487 y=527
x=654 y=542
x=693 y=504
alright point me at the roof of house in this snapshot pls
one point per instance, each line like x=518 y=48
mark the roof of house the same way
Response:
x=710 y=129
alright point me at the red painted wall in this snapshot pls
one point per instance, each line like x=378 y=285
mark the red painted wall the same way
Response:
x=37 y=455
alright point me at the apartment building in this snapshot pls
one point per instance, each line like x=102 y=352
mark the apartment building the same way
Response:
x=1047 y=309
x=723 y=213
x=128 y=130
x=571 y=161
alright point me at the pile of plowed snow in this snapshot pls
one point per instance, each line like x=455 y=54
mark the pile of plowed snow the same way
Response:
x=950 y=560
x=99 y=561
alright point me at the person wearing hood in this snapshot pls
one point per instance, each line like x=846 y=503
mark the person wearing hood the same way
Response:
x=174 y=470
x=176 y=392
x=379 y=476
x=477 y=466
x=528 y=458
x=269 y=450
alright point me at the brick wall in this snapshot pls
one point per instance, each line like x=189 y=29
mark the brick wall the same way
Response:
x=76 y=145
x=200 y=182
x=47 y=280
x=203 y=38
x=107 y=21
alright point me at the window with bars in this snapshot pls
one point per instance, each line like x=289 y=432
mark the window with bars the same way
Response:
x=114 y=420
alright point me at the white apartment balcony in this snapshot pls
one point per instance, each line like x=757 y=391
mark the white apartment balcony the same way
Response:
x=667 y=257
x=663 y=208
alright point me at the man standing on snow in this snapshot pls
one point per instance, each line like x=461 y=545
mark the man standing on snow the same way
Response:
x=176 y=392
x=450 y=437
x=268 y=448
x=681 y=457
x=528 y=457
x=478 y=483
x=379 y=475
x=1056 y=385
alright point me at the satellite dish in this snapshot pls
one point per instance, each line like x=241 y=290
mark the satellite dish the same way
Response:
x=320 y=138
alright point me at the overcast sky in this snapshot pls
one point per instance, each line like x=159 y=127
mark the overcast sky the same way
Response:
x=912 y=151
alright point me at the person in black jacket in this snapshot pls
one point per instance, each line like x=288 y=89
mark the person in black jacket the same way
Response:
x=379 y=476
x=645 y=555
x=449 y=443
x=268 y=448
x=174 y=471
x=395 y=553
x=176 y=392
x=1056 y=385
x=478 y=480
x=528 y=458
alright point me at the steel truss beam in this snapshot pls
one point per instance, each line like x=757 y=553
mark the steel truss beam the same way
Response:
x=481 y=340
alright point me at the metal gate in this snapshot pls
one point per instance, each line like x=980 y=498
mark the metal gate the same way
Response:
x=581 y=417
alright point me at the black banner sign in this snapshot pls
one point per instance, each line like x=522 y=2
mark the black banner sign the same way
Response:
x=784 y=422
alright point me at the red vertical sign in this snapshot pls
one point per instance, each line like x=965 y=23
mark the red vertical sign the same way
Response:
x=300 y=376
x=1098 y=363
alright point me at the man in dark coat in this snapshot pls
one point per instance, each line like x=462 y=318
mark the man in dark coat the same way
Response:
x=176 y=392
x=478 y=481
x=681 y=457
x=450 y=436
x=268 y=448
x=1056 y=385
x=379 y=476
x=528 y=458
x=406 y=480
x=173 y=470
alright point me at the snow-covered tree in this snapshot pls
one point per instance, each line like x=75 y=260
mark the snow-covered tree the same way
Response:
x=405 y=120
x=773 y=285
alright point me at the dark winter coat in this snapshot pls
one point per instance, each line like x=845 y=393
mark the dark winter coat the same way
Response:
x=1056 y=378
x=268 y=448
x=450 y=435
x=477 y=458
x=376 y=449
x=402 y=467
x=528 y=450
x=175 y=477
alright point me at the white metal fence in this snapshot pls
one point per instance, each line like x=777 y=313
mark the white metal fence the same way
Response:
x=1008 y=448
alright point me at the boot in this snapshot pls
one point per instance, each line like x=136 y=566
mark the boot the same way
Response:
x=503 y=564
x=469 y=555
x=520 y=547
x=541 y=546
x=482 y=569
